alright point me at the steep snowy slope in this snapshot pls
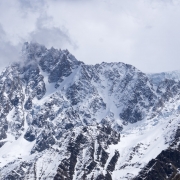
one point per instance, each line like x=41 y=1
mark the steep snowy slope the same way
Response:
x=62 y=119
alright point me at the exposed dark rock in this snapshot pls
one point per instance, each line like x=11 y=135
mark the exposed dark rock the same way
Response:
x=106 y=177
x=13 y=176
x=2 y=143
x=2 y=133
x=43 y=141
x=113 y=161
x=91 y=166
x=165 y=166
x=76 y=147
x=30 y=135
x=28 y=104
x=69 y=126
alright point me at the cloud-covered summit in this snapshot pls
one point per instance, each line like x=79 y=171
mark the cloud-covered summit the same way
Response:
x=142 y=33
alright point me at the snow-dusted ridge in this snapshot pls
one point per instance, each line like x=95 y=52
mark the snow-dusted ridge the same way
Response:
x=157 y=78
x=63 y=119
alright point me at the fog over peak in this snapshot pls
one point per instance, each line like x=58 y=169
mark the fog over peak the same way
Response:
x=142 y=33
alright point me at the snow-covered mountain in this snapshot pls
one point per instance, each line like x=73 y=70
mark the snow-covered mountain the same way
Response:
x=157 y=78
x=63 y=119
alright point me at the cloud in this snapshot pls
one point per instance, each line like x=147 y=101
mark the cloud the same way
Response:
x=33 y=5
x=8 y=52
x=27 y=21
x=51 y=36
x=142 y=33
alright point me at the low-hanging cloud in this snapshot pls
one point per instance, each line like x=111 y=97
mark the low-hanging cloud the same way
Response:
x=28 y=21
x=142 y=33
x=51 y=36
x=8 y=52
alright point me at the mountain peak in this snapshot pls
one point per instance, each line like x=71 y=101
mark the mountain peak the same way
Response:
x=53 y=105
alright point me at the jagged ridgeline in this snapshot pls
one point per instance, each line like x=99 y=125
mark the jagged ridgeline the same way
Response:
x=62 y=119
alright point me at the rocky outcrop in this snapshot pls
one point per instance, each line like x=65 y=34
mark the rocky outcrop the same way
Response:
x=77 y=153
x=166 y=165
x=87 y=151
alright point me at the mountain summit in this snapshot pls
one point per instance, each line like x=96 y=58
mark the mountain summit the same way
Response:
x=64 y=120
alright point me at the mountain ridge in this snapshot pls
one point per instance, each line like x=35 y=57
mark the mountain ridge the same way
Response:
x=52 y=99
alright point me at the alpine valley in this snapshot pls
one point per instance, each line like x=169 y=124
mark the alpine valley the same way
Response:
x=64 y=120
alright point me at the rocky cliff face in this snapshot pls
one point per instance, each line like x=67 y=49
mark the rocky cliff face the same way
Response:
x=54 y=106
x=81 y=153
x=166 y=165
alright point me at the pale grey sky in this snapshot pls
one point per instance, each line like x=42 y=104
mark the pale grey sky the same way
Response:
x=144 y=33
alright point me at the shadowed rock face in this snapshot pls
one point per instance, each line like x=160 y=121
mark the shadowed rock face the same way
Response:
x=166 y=165
x=104 y=177
x=58 y=64
x=78 y=151
x=113 y=161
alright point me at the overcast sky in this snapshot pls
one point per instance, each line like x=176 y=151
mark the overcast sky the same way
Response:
x=144 y=33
